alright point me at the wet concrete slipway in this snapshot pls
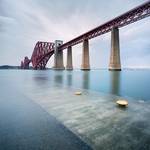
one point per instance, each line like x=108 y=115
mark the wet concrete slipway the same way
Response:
x=88 y=121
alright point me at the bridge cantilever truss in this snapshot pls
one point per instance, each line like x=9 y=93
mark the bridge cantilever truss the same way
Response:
x=131 y=16
x=41 y=54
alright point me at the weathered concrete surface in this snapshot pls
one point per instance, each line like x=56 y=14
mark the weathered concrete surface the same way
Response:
x=96 y=118
x=58 y=56
x=85 y=56
x=115 y=51
x=69 y=58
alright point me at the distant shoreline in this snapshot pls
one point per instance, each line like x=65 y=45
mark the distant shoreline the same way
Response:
x=11 y=67
x=18 y=67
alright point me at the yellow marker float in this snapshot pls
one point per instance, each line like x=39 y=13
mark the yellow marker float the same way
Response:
x=78 y=93
x=122 y=102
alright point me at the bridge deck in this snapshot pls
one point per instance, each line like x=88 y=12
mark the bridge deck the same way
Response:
x=131 y=16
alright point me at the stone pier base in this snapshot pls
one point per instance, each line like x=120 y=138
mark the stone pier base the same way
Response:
x=115 y=64
x=58 y=56
x=69 y=58
x=85 y=56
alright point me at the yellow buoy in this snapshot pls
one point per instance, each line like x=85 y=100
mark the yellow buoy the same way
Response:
x=122 y=102
x=78 y=93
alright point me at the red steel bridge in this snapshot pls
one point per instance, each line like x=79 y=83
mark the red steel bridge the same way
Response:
x=44 y=50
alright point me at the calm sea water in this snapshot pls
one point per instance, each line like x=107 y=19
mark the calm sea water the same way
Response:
x=127 y=83
x=39 y=110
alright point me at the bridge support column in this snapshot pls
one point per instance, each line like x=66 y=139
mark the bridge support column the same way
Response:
x=58 y=56
x=69 y=58
x=115 y=64
x=85 y=56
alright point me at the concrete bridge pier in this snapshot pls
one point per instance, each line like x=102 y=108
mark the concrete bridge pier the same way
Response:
x=115 y=64
x=58 y=56
x=85 y=56
x=69 y=58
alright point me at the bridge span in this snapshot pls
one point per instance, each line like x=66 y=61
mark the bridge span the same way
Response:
x=44 y=50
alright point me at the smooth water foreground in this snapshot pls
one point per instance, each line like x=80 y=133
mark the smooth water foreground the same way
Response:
x=94 y=116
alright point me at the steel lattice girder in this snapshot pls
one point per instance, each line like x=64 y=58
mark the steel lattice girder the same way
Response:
x=131 y=16
x=41 y=54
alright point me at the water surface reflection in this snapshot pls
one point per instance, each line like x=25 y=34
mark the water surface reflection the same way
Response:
x=127 y=83
x=58 y=77
x=86 y=79
x=115 y=82
x=69 y=78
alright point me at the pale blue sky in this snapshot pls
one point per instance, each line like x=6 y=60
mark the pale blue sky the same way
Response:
x=24 y=22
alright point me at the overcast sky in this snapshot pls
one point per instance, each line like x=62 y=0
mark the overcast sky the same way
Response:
x=24 y=22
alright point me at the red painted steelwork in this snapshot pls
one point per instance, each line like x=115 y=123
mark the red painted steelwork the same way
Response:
x=25 y=63
x=41 y=54
x=131 y=16
x=22 y=65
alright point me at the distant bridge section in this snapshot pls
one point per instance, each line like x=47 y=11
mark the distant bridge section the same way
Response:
x=25 y=63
